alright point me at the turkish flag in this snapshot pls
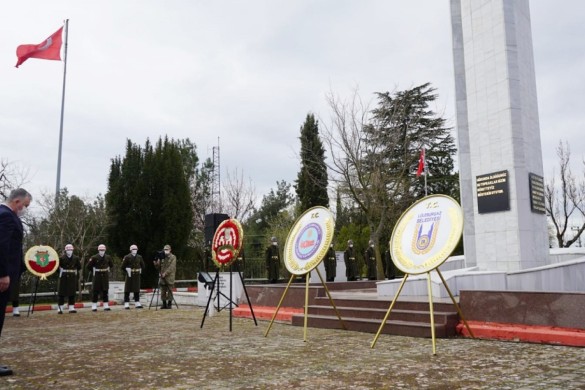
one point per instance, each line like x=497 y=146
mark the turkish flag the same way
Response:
x=421 y=163
x=49 y=49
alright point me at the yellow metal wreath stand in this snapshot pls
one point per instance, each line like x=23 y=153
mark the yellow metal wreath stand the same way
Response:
x=307 y=277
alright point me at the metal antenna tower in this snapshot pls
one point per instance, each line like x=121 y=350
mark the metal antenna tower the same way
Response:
x=216 y=181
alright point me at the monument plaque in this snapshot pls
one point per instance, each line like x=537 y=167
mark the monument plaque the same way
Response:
x=536 y=185
x=492 y=192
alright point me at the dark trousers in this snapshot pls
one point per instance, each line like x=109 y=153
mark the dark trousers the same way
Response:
x=127 y=296
x=104 y=296
x=70 y=300
x=4 y=296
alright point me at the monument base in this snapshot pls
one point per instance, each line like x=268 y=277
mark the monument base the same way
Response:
x=566 y=274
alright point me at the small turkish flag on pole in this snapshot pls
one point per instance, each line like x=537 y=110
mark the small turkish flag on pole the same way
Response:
x=421 y=163
x=49 y=49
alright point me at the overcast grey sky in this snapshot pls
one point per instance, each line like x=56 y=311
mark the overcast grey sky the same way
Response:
x=247 y=72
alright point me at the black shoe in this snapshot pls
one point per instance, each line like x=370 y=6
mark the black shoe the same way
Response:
x=107 y=309
x=5 y=371
x=170 y=305
x=72 y=311
x=93 y=309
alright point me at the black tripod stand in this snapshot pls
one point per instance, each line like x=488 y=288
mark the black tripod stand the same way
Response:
x=33 y=297
x=230 y=303
x=156 y=292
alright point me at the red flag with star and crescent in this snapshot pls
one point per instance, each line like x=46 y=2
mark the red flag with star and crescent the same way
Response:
x=421 y=163
x=49 y=49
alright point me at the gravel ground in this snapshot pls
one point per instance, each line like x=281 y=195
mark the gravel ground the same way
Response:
x=167 y=349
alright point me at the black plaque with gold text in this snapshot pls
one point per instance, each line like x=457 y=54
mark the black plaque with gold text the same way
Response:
x=492 y=192
x=536 y=185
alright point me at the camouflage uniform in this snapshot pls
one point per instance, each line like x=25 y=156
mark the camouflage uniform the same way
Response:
x=168 y=267
x=240 y=262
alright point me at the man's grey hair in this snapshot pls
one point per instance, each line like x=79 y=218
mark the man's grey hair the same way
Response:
x=19 y=193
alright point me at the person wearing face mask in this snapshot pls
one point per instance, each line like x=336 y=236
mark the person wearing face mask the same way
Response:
x=350 y=259
x=330 y=264
x=210 y=265
x=69 y=266
x=100 y=265
x=240 y=263
x=389 y=265
x=132 y=266
x=370 y=259
x=167 y=268
x=11 y=256
x=273 y=261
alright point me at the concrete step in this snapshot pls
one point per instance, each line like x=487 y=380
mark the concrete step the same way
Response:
x=394 y=327
x=422 y=316
x=385 y=304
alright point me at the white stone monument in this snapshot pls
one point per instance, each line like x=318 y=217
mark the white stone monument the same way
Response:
x=500 y=154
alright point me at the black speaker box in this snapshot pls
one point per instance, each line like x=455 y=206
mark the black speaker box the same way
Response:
x=212 y=221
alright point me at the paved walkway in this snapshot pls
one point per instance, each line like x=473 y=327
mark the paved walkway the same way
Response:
x=167 y=349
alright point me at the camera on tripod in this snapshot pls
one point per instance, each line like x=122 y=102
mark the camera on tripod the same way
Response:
x=159 y=255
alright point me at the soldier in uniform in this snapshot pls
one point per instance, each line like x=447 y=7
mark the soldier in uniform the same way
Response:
x=351 y=267
x=273 y=261
x=370 y=259
x=330 y=264
x=167 y=268
x=132 y=267
x=389 y=271
x=240 y=262
x=210 y=265
x=100 y=265
x=69 y=266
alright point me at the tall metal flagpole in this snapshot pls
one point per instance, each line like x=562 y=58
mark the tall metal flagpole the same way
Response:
x=58 y=186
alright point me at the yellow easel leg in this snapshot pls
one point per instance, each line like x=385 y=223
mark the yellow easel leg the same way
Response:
x=278 y=307
x=389 y=310
x=307 y=277
x=331 y=299
x=432 y=313
x=455 y=303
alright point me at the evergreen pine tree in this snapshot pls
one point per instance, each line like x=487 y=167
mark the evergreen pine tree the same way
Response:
x=311 y=183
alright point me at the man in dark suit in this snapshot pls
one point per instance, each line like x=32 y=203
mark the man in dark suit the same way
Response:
x=11 y=256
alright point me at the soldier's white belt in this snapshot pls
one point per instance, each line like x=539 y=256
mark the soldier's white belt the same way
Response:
x=100 y=270
x=274 y=257
x=352 y=258
x=67 y=271
x=136 y=269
